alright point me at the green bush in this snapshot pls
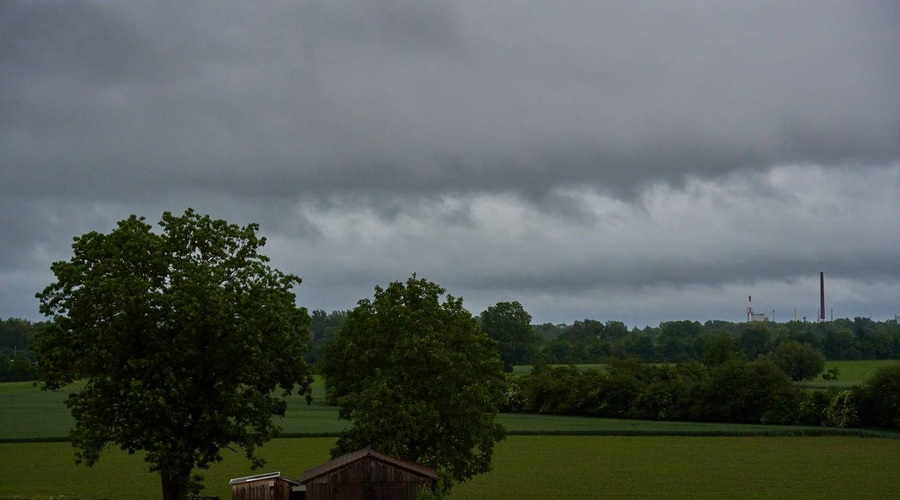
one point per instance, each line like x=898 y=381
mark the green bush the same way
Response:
x=843 y=409
x=746 y=392
x=879 y=399
x=812 y=407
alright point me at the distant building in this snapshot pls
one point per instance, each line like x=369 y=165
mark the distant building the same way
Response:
x=758 y=317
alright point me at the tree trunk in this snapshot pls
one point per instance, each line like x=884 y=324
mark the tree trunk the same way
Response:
x=172 y=486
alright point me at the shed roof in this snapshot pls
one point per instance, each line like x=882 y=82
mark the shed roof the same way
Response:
x=367 y=452
x=261 y=477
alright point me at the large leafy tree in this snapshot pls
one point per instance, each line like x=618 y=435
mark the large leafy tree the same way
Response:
x=510 y=325
x=419 y=380
x=176 y=341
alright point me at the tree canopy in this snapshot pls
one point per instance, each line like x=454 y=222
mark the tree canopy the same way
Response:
x=419 y=379
x=510 y=326
x=799 y=361
x=178 y=341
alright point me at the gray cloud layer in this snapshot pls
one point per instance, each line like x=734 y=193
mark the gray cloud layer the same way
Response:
x=574 y=154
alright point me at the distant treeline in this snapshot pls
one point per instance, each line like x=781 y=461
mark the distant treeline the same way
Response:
x=16 y=358
x=591 y=341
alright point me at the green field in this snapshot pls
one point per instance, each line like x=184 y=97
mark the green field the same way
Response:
x=530 y=466
x=851 y=372
x=29 y=414
x=548 y=466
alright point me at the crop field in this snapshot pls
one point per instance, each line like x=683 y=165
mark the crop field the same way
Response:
x=558 y=467
x=546 y=456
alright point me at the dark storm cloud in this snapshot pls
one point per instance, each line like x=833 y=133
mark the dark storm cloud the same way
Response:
x=405 y=97
x=645 y=153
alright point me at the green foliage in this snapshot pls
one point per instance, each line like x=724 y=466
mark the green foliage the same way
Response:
x=322 y=328
x=419 y=380
x=740 y=391
x=734 y=391
x=559 y=391
x=426 y=493
x=510 y=326
x=16 y=359
x=680 y=341
x=514 y=399
x=590 y=341
x=843 y=409
x=15 y=335
x=833 y=374
x=799 y=361
x=17 y=368
x=880 y=399
x=812 y=408
x=179 y=340
x=718 y=348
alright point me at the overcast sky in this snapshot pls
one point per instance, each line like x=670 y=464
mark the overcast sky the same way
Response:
x=631 y=161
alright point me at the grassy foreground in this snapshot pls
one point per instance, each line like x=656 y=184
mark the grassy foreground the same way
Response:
x=524 y=466
x=556 y=467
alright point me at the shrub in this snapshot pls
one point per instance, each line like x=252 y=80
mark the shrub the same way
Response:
x=879 y=402
x=812 y=408
x=842 y=411
x=744 y=392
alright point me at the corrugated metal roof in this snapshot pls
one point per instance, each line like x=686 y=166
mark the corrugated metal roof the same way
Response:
x=261 y=477
x=353 y=456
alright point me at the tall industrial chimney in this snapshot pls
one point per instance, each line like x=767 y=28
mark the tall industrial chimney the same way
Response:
x=821 y=296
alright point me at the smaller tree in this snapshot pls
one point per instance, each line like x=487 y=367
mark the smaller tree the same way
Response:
x=717 y=349
x=419 y=379
x=832 y=374
x=510 y=326
x=799 y=361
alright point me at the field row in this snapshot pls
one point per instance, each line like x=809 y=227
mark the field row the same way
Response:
x=27 y=413
x=529 y=466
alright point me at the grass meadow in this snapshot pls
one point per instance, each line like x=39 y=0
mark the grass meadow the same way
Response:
x=554 y=467
x=851 y=372
x=545 y=457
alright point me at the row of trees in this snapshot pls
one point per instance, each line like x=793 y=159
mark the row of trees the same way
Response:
x=592 y=341
x=738 y=391
x=16 y=357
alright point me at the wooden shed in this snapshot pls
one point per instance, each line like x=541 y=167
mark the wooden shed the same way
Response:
x=271 y=486
x=367 y=475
